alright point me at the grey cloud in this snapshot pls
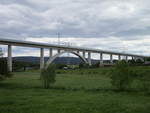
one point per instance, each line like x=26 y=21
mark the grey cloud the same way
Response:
x=80 y=18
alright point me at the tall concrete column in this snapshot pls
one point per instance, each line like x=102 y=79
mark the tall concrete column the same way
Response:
x=135 y=58
x=143 y=59
x=126 y=58
x=9 y=60
x=119 y=57
x=41 y=58
x=89 y=58
x=50 y=53
x=84 y=54
x=111 y=58
x=58 y=50
x=101 y=59
x=132 y=57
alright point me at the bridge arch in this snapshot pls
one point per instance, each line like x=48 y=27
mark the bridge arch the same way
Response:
x=59 y=54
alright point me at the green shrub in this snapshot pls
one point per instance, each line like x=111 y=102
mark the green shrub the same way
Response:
x=2 y=77
x=4 y=73
x=48 y=76
x=122 y=76
x=81 y=66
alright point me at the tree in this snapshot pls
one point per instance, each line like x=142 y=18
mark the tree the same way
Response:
x=4 y=73
x=83 y=65
x=132 y=62
x=147 y=59
x=139 y=61
x=48 y=76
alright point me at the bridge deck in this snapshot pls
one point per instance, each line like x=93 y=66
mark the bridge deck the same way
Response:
x=46 y=45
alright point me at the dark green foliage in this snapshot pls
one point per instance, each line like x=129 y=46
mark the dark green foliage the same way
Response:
x=83 y=65
x=147 y=59
x=4 y=73
x=122 y=76
x=23 y=66
x=3 y=66
x=48 y=76
x=132 y=62
x=96 y=65
x=139 y=61
x=115 y=61
x=60 y=66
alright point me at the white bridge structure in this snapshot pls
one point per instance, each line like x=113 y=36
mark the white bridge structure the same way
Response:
x=1 y=52
x=61 y=49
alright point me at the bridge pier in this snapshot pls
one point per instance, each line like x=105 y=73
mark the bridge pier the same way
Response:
x=41 y=58
x=84 y=54
x=9 y=59
x=111 y=58
x=50 y=53
x=101 y=59
x=119 y=57
x=89 y=58
x=58 y=51
x=126 y=58
x=132 y=57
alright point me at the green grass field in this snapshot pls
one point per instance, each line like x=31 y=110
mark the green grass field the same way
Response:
x=85 y=91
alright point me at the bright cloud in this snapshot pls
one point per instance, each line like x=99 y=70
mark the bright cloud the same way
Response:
x=107 y=24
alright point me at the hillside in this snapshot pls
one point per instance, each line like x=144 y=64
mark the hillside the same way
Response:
x=59 y=60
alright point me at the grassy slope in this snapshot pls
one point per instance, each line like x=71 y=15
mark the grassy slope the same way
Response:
x=87 y=91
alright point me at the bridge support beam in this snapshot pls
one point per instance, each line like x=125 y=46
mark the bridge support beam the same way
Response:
x=101 y=59
x=132 y=57
x=126 y=58
x=84 y=54
x=119 y=57
x=58 y=51
x=50 y=53
x=89 y=58
x=41 y=58
x=9 y=59
x=111 y=58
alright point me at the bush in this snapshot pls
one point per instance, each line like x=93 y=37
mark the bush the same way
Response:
x=4 y=73
x=122 y=76
x=48 y=76
x=82 y=66
x=2 y=77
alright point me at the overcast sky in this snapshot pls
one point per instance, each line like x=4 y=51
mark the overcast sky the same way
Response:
x=117 y=25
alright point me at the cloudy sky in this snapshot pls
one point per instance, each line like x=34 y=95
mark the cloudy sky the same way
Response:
x=115 y=25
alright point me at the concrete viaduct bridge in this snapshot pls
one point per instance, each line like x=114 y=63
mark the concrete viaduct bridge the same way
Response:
x=78 y=51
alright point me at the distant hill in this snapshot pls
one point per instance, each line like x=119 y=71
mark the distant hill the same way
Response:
x=59 y=60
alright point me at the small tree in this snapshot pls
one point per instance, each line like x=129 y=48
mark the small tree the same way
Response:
x=121 y=76
x=139 y=62
x=48 y=76
x=4 y=73
x=85 y=65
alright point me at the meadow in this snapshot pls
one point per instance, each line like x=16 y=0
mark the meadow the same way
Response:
x=75 y=91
